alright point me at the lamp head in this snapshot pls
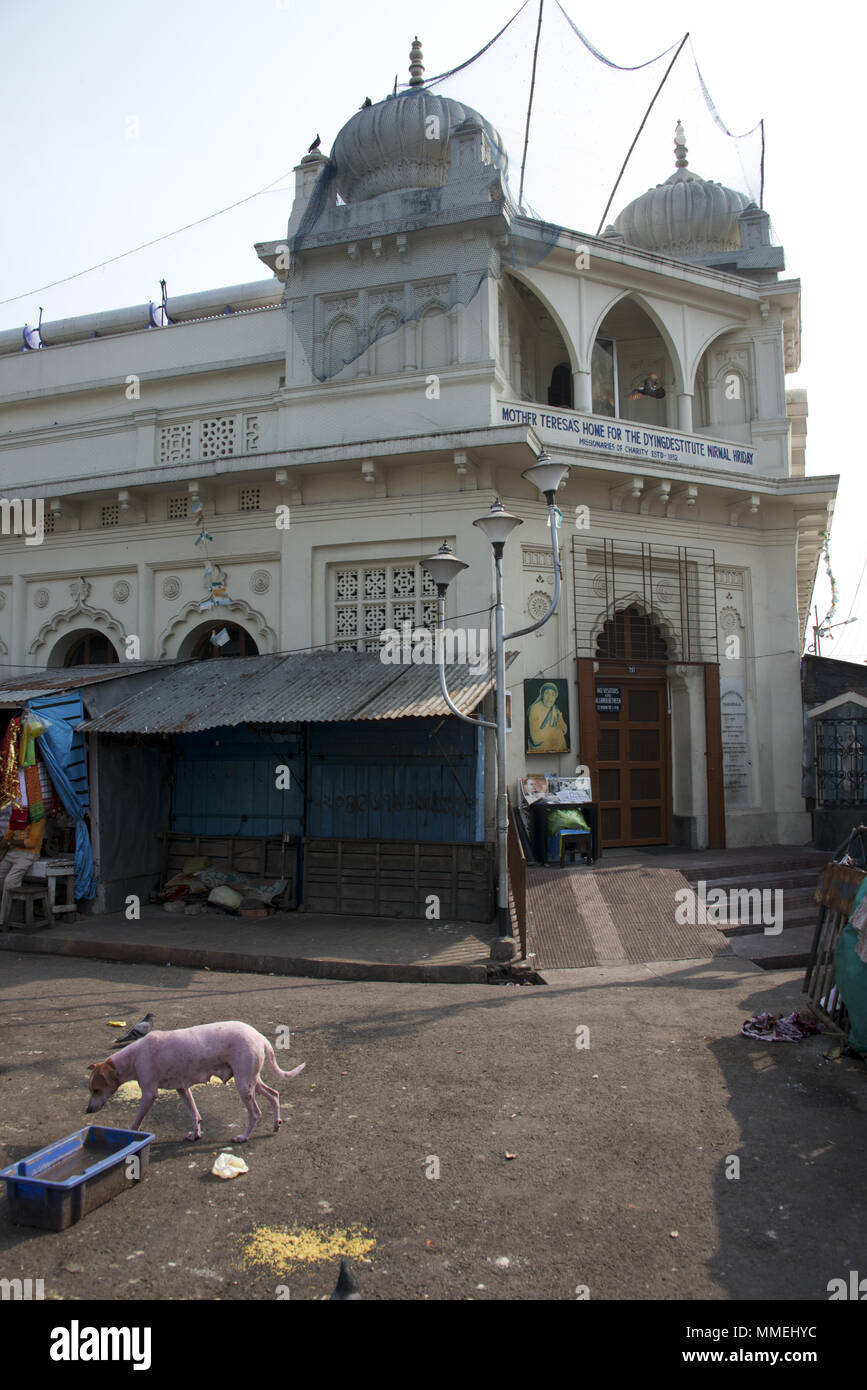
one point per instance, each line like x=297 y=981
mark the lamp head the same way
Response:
x=498 y=525
x=443 y=567
x=546 y=476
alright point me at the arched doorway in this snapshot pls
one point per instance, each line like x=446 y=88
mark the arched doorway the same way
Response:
x=632 y=780
x=83 y=647
x=199 y=646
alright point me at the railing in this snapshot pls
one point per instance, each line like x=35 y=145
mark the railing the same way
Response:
x=517 y=882
x=835 y=893
x=637 y=601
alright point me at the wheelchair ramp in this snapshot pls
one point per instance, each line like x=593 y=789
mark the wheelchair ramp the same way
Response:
x=581 y=917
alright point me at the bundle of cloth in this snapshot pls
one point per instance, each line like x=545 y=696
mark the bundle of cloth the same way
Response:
x=224 y=888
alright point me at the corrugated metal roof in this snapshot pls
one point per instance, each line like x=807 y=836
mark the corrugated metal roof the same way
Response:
x=56 y=680
x=304 y=687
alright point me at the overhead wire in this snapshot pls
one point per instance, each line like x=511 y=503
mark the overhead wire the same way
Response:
x=145 y=244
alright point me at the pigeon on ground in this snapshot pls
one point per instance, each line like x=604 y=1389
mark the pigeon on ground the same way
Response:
x=650 y=387
x=315 y=146
x=346 y=1288
x=138 y=1030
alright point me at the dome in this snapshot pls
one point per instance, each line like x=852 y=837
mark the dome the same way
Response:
x=684 y=217
x=403 y=142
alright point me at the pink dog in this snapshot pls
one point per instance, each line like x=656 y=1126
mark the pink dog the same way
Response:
x=186 y=1057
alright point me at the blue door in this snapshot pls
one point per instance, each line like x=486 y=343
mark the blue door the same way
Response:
x=226 y=782
x=395 y=779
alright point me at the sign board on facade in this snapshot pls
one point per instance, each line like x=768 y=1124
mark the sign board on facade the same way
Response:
x=736 y=772
x=626 y=439
x=609 y=699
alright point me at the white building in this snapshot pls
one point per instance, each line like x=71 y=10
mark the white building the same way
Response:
x=415 y=345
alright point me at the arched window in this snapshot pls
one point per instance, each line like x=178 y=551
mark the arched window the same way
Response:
x=434 y=337
x=387 y=356
x=86 y=647
x=201 y=648
x=342 y=346
x=631 y=636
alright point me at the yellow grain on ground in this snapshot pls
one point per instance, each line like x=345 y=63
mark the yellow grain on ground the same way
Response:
x=282 y=1249
x=131 y=1090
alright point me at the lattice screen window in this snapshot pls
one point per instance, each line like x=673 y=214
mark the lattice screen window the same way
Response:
x=176 y=443
x=178 y=508
x=109 y=515
x=249 y=499
x=217 y=437
x=366 y=599
x=49 y=522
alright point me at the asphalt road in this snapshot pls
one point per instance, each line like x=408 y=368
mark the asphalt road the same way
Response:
x=618 y=1181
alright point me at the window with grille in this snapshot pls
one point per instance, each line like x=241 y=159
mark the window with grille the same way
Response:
x=367 y=599
x=249 y=499
x=841 y=759
x=109 y=515
x=177 y=508
x=49 y=522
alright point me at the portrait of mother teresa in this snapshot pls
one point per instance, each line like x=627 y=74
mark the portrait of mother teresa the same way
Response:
x=547 y=730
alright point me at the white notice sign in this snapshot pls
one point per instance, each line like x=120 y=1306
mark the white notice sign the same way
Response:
x=736 y=766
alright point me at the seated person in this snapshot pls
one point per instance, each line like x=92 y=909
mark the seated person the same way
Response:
x=21 y=844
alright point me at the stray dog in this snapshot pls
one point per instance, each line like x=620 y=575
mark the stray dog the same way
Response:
x=184 y=1058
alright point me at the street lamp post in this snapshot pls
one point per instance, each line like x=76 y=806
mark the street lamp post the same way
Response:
x=443 y=568
x=822 y=629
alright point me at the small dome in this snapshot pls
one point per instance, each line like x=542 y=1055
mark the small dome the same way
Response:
x=403 y=142
x=684 y=217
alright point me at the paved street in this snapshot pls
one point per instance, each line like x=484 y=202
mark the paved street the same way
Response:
x=620 y=1149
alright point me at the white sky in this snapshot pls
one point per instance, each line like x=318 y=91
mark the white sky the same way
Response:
x=228 y=94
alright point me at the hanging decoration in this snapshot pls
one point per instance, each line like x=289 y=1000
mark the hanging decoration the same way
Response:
x=215 y=580
x=10 y=789
x=825 y=552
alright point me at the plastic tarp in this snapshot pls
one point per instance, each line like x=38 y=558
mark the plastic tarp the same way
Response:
x=850 y=975
x=63 y=758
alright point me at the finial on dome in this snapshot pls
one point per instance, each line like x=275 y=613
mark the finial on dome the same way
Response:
x=416 y=66
x=680 y=147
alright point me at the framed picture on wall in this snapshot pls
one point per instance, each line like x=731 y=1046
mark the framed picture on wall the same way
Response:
x=546 y=715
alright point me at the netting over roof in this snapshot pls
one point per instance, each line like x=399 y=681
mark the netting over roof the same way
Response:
x=558 y=169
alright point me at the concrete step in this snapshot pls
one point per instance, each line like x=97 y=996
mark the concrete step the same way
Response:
x=754 y=858
x=788 y=951
x=792 y=920
x=801 y=879
x=798 y=906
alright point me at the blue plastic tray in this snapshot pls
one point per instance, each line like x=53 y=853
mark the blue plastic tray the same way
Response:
x=63 y=1182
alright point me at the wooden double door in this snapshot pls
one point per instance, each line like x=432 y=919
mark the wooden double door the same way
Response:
x=630 y=763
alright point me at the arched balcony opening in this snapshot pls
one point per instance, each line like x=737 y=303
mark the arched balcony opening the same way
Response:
x=533 y=355
x=724 y=393
x=632 y=374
